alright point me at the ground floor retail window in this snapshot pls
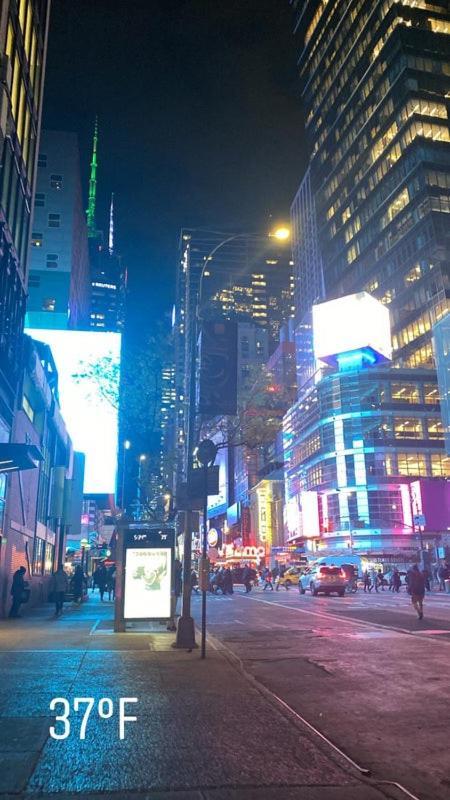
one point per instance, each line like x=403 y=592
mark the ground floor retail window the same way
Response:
x=38 y=556
x=49 y=556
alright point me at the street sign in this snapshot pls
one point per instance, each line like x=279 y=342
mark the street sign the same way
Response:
x=419 y=520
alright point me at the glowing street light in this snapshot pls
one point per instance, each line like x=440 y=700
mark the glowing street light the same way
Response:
x=281 y=233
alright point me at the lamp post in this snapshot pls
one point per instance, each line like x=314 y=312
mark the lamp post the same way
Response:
x=126 y=447
x=185 y=629
x=142 y=460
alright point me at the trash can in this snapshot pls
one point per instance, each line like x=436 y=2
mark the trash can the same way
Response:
x=447 y=585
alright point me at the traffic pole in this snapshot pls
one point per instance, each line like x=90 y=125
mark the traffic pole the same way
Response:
x=204 y=553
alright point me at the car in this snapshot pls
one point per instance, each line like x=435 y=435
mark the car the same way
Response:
x=323 y=578
x=290 y=577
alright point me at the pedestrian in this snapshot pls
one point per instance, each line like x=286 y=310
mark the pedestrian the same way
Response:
x=101 y=580
x=416 y=588
x=443 y=576
x=78 y=583
x=227 y=584
x=380 y=578
x=177 y=590
x=366 y=578
x=111 y=581
x=396 y=580
x=373 y=580
x=59 y=585
x=194 y=582
x=246 y=579
x=426 y=575
x=18 y=589
x=267 y=576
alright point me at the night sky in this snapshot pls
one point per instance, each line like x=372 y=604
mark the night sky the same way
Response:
x=199 y=116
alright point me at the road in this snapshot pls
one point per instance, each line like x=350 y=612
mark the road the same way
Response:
x=363 y=670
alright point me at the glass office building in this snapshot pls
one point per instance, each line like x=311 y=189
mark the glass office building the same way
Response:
x=375 y=89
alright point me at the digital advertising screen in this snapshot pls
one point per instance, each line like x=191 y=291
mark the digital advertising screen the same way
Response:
x=88 y=365
x=148 y=581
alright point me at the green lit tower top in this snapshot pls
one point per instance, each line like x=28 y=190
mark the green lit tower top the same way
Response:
x=92 y=228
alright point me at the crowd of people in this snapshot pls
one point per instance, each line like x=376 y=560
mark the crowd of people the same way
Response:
x=222 y=580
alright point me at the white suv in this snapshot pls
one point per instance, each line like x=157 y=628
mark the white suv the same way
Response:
x=323 y=578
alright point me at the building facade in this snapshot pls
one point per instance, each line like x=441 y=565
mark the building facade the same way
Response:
x=59 y=281
x=357 y=443
x=23 y=46
x=374 y=80
x=441 y=342
x=39 y=506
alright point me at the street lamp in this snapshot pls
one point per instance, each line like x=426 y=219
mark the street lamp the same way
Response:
x=126 y=447
x=282 y=234
x=185 y=629
x=142 y=460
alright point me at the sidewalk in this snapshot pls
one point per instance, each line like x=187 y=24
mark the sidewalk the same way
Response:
x=202 y=730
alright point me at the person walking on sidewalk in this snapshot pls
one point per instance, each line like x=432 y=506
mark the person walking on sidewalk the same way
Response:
x=19 y=584
x=78 y=583
x=366 y=578
x=101 y=580
x=416 y=588
x=59 y=585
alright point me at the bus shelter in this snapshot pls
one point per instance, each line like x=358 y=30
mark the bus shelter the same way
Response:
x=144 y=574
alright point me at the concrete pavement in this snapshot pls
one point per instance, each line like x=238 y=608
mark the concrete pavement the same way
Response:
x=203 y=730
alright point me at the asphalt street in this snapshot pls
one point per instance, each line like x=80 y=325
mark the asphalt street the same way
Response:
x=362 y=670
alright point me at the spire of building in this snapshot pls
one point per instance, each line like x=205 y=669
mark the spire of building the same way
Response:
x=111 y=226
x=92 y=228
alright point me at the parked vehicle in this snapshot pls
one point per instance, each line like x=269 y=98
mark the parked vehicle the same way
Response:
x=323 y=578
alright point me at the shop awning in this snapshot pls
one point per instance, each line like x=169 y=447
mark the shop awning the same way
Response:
x=15 y=457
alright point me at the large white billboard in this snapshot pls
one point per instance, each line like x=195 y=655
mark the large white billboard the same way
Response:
x=351 y=323
x=88 y=365
x=148 y=581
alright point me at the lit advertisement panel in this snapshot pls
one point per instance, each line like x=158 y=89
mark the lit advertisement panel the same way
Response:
x=88 y=365
x=356 y=322
x=218 y=503
x=148 y=580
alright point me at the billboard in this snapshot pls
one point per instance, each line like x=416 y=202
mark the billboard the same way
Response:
x=218 y=368
x=148 y=581
x=218 y=503
x=356 y=322
x=88 y=364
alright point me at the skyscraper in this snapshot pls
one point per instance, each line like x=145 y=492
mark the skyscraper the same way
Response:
x=23 y=46
x=375 y=80
x=108 y=276
x=243 y=277
x=59 y=282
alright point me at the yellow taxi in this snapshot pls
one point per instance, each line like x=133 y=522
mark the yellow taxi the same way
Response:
x=290 y=578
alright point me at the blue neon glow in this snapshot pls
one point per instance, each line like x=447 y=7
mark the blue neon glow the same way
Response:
x=356 y=359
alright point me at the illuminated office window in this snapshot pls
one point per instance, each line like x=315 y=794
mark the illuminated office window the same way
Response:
x=411 y=464
x=435 y=429
x=431 y=393
x=405 y=392
x=406 y=428
x=440 y=465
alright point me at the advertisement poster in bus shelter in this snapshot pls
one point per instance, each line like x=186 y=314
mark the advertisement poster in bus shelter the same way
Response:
x=148 y=581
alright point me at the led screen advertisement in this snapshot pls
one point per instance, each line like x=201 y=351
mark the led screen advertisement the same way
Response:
x=88 y=365
x=148 y=580
x=351 y=323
